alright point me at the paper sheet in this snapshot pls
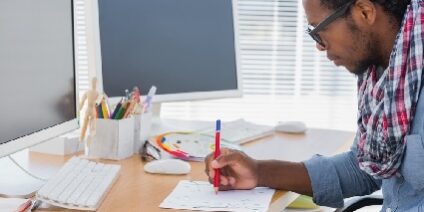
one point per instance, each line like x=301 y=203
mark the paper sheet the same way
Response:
x=197 y=146
x=11 y=204
x=199 y=195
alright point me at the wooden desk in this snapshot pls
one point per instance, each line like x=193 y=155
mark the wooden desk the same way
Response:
x=137 y=191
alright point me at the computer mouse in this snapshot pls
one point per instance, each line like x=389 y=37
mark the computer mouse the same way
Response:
x=167 y=166
x=291 y=127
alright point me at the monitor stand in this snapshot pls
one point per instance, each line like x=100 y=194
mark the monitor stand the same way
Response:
x=14 y=182
x=155 y=112
x=156 y=107
x=162 y=125
x=154 y=119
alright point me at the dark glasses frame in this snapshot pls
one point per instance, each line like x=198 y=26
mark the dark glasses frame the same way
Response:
x=313 y=31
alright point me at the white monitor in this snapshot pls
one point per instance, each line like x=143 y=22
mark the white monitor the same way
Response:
x=186 y=48
x=38 y=78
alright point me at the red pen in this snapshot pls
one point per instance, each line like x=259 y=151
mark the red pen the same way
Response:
x=24 y=206
x=216 y=179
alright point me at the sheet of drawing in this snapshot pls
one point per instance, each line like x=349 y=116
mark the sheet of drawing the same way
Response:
x=196 y=145
x=199 y=195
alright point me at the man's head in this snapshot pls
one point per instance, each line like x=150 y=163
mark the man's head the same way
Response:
x=355 y=33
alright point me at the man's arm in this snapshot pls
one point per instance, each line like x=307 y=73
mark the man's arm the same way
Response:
x=327 y=179
x=284 y=175
x=239 y=171
x=337 y=177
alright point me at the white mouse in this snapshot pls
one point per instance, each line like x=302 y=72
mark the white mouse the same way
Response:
x=167 y=166
x=291 y=127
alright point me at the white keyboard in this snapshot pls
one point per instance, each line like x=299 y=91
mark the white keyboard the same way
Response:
x=80 y=184
x=241 y=131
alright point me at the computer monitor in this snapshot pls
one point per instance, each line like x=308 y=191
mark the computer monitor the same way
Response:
x=186 y=48
x=38 y=82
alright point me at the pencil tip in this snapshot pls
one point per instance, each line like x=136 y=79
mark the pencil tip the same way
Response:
x=216 y=190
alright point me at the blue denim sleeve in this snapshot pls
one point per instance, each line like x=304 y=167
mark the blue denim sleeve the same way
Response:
x=337 y=177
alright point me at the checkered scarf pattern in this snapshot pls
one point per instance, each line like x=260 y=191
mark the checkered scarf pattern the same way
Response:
x=387 y=104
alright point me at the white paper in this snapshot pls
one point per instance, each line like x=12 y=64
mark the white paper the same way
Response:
x=11 y=204
x=200 y=195
x=194 y=144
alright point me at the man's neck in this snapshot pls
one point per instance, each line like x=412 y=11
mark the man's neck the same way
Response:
x=386 y=37
x=380 y=70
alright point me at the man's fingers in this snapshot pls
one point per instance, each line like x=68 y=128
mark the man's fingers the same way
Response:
x=225 y=152
x=224 y=177
x=224 y=180
x=226 y=160
x=225 y=187
x=210 y=180
x=225 y=170
x=211 y=173
x=209 y=170
x=231 y=181
x=208 y=158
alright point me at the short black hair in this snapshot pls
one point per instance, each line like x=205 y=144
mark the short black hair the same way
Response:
x=394 y=8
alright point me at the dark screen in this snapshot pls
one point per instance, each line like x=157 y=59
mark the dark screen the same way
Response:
x=177 y=45
x=37 y=82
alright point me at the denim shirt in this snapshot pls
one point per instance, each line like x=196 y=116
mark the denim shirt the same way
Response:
x=337 y=177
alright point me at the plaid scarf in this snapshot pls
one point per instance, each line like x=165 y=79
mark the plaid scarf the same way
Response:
x=387 y=104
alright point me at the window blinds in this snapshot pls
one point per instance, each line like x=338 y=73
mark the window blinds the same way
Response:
x=284 y=76
x=81 y=51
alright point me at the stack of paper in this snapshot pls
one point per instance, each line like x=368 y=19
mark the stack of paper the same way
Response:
x=199 y=195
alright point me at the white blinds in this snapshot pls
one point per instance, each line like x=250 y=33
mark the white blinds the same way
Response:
x=81 y=51
x=284 y=76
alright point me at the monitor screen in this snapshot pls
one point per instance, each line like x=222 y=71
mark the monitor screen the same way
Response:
x=37 y=83
x=180 y=46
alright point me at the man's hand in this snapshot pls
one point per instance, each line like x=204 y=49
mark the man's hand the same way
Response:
x=238 y=171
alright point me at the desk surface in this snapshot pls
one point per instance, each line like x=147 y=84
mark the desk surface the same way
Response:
x=137 y=191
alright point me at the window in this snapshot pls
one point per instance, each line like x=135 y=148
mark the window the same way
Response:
x=81 y=47
x=284 y=76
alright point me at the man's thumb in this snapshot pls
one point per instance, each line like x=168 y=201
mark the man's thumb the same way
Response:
x=221 y=161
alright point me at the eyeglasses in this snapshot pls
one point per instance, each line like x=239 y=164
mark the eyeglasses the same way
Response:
x=148 y=152
x=313 y=31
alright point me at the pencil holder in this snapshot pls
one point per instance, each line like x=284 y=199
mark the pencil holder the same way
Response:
x=143 y=125
x=114 y=139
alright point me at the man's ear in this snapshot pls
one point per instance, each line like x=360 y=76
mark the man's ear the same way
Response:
x=365 y=12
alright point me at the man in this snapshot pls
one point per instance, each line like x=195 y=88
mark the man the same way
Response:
x=380 y=41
